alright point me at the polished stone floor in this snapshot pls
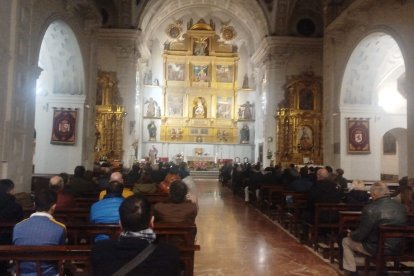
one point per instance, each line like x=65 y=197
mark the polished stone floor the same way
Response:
x=236 y=239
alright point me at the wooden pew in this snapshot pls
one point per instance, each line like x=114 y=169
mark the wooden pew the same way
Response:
x=61 y=254
x=333 y=226
x=347 y=220
x=73 y=215
x=271 y=197
x=178 y=234
x=406 y=253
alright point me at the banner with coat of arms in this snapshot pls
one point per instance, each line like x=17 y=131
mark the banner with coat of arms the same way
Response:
x=358 y=135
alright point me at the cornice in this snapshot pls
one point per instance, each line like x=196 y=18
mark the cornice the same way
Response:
x=273 y=44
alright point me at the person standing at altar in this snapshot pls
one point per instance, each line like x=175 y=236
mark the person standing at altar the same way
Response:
x=153 y=155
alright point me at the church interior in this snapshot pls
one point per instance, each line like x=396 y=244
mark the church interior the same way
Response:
x=304 y=82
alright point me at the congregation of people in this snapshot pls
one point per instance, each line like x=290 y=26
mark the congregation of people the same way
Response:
x=323 y=185
x=121 y=198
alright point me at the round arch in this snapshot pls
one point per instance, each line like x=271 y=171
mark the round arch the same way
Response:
x=246 y=14
x=60 y=86
x=371 y=89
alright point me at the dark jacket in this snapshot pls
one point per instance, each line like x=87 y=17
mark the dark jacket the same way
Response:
x=109 y=256
x=356 y=196
x=382 y=211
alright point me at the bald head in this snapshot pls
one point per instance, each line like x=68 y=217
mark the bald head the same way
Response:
x=322 y=174
x=378 y=189
x=56 y=183
x=116 y=176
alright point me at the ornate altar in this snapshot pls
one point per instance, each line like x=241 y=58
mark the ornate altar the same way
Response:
x=299 y=121
x=200 y=93
x=109 y=119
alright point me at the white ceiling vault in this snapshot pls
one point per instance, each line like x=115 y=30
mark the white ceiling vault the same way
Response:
x=375 y=64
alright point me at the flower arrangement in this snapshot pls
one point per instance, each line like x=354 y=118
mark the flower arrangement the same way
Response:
x=200 y=165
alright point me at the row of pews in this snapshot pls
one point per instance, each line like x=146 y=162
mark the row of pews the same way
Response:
x=325 y=237
x=80 y=238
x=75 y=255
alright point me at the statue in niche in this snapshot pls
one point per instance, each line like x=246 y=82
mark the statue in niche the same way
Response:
x=152 y=131
x=244 y=134
x=245 y=82
x=152 y=108
x=306 y=99
x=148 y=78
x=199 y=108
x=245 y=111
x=305 y=138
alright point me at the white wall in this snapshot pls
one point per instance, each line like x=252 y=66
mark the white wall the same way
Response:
x=50 y=158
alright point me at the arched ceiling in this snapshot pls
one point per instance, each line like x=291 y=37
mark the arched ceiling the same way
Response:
x=377 y=61
x=61 y=61
x=246 y=16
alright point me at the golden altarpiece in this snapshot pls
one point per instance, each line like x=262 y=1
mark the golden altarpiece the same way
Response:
x=200 y=92
x=299 y=121
x=109 y=119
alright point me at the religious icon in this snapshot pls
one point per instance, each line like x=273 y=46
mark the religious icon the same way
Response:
x=199 y=108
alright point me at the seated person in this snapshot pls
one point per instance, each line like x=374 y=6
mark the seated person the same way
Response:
x=381 y=211
x=79 y=186
x=145 y=183
x=177 y=209
x=117 y=176
x=40 y=229
x=10 y=211
x=134 y=175
x=106 y=210
x=169 y=178
x=64 y=198
x=357 y=194
x=136 y=222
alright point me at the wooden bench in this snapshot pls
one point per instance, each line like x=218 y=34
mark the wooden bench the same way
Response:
x=61 y=254
x=406 y=254
x=331 y=225
x=347 y=220
x=271 y=197
x=178 y=234
x=73 y=215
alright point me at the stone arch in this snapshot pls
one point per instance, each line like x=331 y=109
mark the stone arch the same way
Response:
x=394 y=164
x=369 y=89
x=246 y=14
x=61 y=85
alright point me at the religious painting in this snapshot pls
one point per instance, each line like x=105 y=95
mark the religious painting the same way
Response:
x=200 y=73
x=224 y=73
x=201 y=47
x=358 y=135
x=389 y=144
x=175 y=105
x=151 y=108
x=64 y=126
x=304 y=138
x=199 y=108
x=175 y=71
x=224 y=107
x=245 y=111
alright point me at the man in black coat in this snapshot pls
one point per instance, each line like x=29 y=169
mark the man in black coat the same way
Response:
x=109 y=256
x=381 y=211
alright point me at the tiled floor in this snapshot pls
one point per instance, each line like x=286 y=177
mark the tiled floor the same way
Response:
x=236 y=239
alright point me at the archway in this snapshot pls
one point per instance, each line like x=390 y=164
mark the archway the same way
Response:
x=59 y=101
x=372 y=90
x=394 y=154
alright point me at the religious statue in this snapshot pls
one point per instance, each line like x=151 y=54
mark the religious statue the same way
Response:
x=244 y=134
x=152 y=154
x=199 y=109
x=151 y=108
x=152 y=131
